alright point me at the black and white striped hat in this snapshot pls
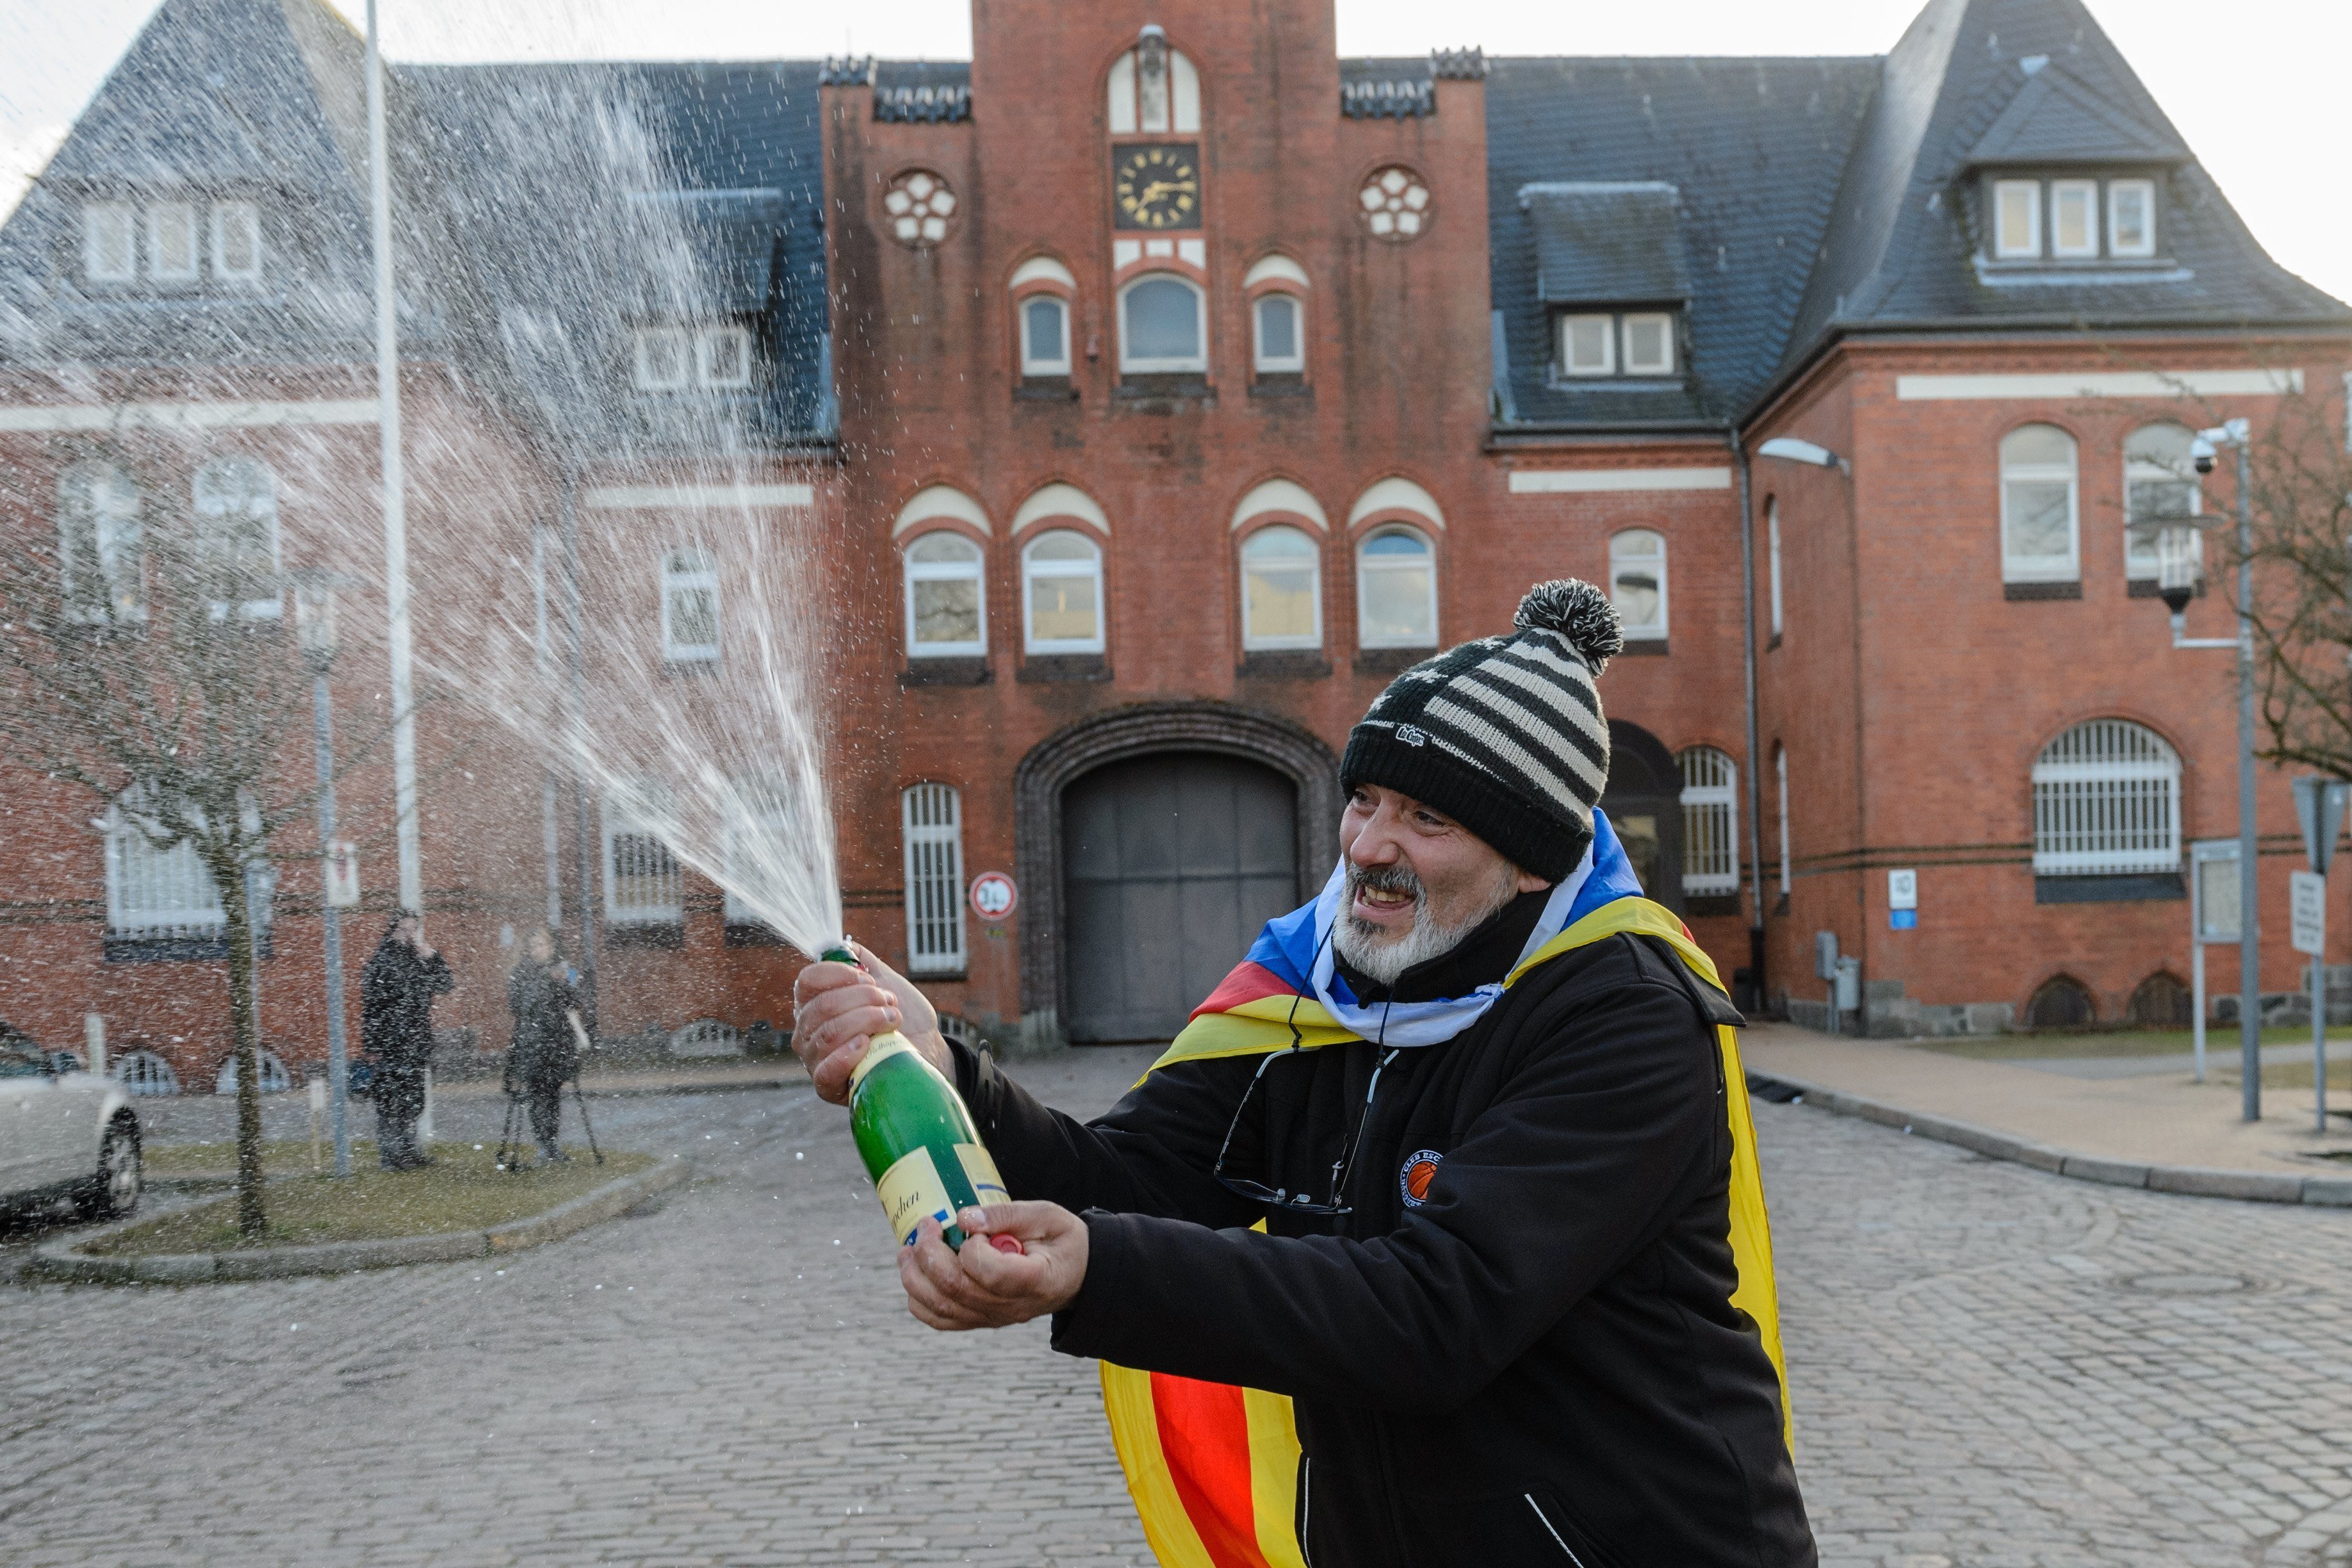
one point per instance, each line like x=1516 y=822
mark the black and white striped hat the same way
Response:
x=1505 y=734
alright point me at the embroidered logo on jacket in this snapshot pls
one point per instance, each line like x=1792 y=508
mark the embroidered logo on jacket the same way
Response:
x=1420 y=1170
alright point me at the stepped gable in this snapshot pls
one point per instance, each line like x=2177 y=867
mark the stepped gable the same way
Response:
x=214 y=100
x=1957 y=94
x=1752 y=149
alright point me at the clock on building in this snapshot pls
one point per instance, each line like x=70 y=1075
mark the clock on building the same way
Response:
x=1156 y=185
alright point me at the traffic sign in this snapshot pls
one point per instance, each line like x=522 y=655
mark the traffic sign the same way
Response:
x=2308 y=892
x=994 y=896
x=1903 y=901
x=2320 y=804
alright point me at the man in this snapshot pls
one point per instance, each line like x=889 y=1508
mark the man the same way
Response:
x=396 y=992
x=1502 y=1201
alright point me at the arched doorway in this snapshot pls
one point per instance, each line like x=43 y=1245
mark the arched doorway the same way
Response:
x=1061 y=764
x=1645 y=802
x=1170 y=864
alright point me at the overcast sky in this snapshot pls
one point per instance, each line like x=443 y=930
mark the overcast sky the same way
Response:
x=2257 y=86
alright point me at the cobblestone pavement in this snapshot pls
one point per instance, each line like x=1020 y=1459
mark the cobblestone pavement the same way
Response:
x=1992 y=1366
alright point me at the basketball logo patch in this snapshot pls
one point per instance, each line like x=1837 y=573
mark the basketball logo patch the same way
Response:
x=1420 y=1170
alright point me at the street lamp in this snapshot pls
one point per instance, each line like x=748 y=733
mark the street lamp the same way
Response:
x=314 y=632
x=2180 y=566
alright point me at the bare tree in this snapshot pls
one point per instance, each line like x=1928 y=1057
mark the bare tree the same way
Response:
x=2301 y=491
x=149 y=658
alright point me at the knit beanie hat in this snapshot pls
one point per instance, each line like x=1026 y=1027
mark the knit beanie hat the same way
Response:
x=1504 y=735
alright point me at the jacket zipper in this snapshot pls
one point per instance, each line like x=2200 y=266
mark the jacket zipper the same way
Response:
x=1306 y=1507
x=1546 y=1523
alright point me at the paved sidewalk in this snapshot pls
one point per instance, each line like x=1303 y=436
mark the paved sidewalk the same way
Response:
x=2145 y=1119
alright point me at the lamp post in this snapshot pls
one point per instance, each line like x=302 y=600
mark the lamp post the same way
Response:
x=314 y=628
x=2180 y=565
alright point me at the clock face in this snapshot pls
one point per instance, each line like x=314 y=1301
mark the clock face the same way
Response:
x=1156 y=185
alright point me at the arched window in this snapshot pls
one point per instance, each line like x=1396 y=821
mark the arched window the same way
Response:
x=2106 y=802
x=1282 y=598
x=1772 y=550
x=1637 y=583
x=155 y=892
x=1396 y=590
x=99 y=556
x=1061 y=577
x=931 y=824
x=1159 y=326
x=689 y=607
x=2063 y=1002
x=1153 y=88
x=943 y=599
x=2160 y=486
x=2039 y=527
x=236 y=535
x=644 y=885
x=1710 y=823
x=1044 y=335
x=1280 y=334
x=1780 y=779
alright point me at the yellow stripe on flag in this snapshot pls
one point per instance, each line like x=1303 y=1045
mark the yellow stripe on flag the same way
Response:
x=1274 y=1476
x=1135 y=1432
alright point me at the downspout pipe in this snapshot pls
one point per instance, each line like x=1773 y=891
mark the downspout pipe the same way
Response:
x=1758 y=989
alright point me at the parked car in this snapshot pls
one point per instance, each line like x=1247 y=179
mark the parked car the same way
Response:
x=65 y=1133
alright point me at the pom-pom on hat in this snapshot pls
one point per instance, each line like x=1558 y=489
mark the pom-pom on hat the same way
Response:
x=1506 y=735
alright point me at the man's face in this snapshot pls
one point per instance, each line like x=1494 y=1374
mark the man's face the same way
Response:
x=1418 y=882
x=410 y=930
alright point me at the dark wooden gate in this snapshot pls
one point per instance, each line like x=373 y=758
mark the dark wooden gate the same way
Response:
x=1171 y=864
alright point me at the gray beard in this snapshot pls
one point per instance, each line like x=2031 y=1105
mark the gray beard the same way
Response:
x=1370 y=952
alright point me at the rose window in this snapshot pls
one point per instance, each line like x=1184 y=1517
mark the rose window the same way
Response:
x=919 y=204
x=1396 y=204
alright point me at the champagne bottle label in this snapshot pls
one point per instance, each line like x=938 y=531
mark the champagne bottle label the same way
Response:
x=980 y=1172
x=912 y=1189
x=880 y=1049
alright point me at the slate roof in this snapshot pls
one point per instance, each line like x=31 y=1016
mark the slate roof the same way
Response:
x=1753 y=149
x=2055 y=119
x=1608 y=244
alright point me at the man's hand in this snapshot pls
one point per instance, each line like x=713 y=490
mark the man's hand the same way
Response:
x=838 y=1008
x=982 y=1287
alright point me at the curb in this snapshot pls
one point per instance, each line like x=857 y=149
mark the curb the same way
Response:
x=2193 y=1180
x=64 y=1259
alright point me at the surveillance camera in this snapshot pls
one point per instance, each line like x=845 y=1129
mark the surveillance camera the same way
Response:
x=2200 y=453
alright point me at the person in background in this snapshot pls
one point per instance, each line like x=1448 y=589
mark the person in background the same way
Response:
x=549 y=1024
x=396 y=992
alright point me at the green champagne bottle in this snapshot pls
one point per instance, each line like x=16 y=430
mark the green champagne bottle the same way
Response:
x=916 y=1137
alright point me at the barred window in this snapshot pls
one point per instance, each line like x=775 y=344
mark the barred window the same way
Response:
x=932 y=816
x=156 y=892
x=1710 y=823
x=689 y=607
x=643 y=884
x=2106 y=800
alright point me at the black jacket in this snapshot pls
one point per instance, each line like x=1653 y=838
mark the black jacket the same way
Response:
x=1538 y=1361
x=543 y=1045
x=396 y=992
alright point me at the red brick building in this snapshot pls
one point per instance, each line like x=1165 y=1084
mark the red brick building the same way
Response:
x=1147 y=392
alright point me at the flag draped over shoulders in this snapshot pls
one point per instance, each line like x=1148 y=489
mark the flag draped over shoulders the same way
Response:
x=1213 y=1467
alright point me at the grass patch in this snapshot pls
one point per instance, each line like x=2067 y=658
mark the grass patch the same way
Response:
x=285 y=1156
x=462 y=1190
x=2105 y=1043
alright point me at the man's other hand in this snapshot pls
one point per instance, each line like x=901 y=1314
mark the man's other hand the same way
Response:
x=983 y=1288
x=838 y=1008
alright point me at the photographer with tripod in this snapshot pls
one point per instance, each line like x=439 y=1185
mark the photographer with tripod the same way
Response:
x=549 y=1032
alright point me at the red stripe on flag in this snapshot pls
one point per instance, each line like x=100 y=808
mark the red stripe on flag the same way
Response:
x=1247 y=983
x=1204 y=1437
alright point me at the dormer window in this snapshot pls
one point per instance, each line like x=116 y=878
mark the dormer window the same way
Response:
x=176 y=237
x=675 y=359
x=172 y=242
x=1631 y=343
x=109 y=248
x=237 y=242
x=2077 y=219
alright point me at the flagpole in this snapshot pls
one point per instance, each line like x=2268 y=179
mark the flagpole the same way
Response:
x=395 y=514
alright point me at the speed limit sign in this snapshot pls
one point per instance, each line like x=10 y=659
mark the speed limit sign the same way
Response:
x=994 y=895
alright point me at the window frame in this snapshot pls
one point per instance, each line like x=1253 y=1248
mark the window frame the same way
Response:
x=1196 y=364
x=684 y=340
x=1665 y=320
x=975 y=571
x=249 y=214
x=2079 y=792
x=1566 y=360
x=2030 y=249
x=2146 y=248
x=616 y=822
x=195 y=248
x=1292 y=364
x=1718 y=799
x=2147 y=471
x=1286 y=642
x=190 y=918
x=2012 y=570
x=1093 y=570
x=2088 y=192
x=1368 y=565
x=121 y=594
x=1641 y=633
x=1773 y=552
x=934 y=897
x=1780 y=779
x=686 y=569
x=255 y=609
x=129 y=216
x=706 y=341
x=1032 y=363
